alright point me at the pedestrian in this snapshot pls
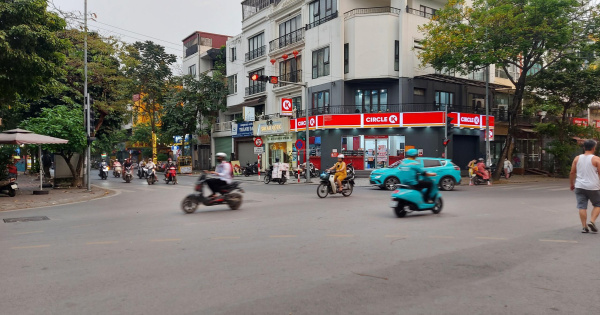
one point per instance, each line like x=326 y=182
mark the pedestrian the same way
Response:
x=585 y=181
x=46 y=163
x=472 y=166
x=507 y=168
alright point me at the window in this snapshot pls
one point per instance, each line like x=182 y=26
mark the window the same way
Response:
x=427 y=11
x=192 y=70
x=397 y=55
x=320 y=63
x=235 y=117
x=321 y=11
x=371 y=101
x=419 y=92
x=297 y=104
x=256 y=86
x=320 y=102
x=256 y=47
x=290 y=70
x=418 y=44
x=290 y=31
x=346 y=57
x=233 y=54
x=232 y=84
x=431 y=163
x=444 y=98
x=512 y=70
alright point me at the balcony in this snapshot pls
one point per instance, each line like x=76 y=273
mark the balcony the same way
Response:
x=295 y=77
x=375 y=10
x=191 y=50
x=420 y=13
x=256 y=88
x=287 y=39
x=322 y=21
x=223 y=126
x=251 y=7
x=259 y=52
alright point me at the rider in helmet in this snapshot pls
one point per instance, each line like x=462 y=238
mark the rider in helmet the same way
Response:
x=223 y=170
x=409 y=175
x=340 y=171
x=169 y=163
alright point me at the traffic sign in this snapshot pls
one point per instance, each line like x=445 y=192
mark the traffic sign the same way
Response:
x=259 y=150
x=258 y=142
x=299 y=144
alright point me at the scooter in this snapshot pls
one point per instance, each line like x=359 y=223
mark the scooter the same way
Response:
x=406 y=199
x=269 y=177
x=328 y=185
x=104 y=171
x=9 y=187
x=171 y=175
x=479 y=180
x=314 y=172
x=117 y=170
x=230 y=195
x=142 y=172
x=151 y=178
x=251 y=169
x=128 y=175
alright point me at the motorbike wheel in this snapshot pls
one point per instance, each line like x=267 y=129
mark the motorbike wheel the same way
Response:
x=267 y=179
x=322 y=191
x=400 y=210
x=150 y=180
x=234 y=200
x=282 y=181
x=439 y=204
x=348 y=192
x=12 y=192
x=127 y=179
x=246 y=174
x=189 y=205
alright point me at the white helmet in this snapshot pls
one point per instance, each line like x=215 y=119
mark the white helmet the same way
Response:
x=221 y=154
x=340 y=156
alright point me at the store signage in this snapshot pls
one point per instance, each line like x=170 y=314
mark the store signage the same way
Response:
x=377 y=137
x=259 y=150
x=244 y=129
x=342 y=121
x=466 y=120
x=382 y=120
x=423 y=119
x=580 y=122
x=286 y=107
x=420 y=152
x=249 y=114
x=272 y=126
x=491 y=135
x=279 y=138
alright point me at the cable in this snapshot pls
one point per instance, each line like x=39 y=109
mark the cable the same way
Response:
x=162 y=40
x=166 y=47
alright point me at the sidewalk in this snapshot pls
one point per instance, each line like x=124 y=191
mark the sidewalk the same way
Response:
x=25 y=198
x=524 y=179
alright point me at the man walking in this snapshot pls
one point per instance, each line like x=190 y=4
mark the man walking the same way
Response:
x=585 y=180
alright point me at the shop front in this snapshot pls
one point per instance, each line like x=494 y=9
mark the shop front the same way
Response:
x=243 y=145
x=277 y=139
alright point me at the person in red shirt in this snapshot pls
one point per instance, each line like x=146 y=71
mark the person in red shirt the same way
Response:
x=12 y=170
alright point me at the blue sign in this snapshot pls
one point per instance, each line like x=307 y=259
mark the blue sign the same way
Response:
x=244 y=129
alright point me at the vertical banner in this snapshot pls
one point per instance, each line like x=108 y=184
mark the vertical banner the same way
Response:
x=286 y=107
x=154 y=147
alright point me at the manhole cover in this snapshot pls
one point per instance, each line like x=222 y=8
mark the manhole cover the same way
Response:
x=25 y=219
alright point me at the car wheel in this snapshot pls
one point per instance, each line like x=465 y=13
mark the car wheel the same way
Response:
x=390 y=183
x=447 y=183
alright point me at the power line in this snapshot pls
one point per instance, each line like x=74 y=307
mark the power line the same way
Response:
x=162 y=40
x=166 y=47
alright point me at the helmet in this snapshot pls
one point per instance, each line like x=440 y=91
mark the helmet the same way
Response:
x=276 y=159
x=169 y=159
x=221 y=155
x=412 y=153
x=340 y=156
x=480 y=160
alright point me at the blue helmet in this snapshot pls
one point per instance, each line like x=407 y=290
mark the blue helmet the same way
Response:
x=412 y=153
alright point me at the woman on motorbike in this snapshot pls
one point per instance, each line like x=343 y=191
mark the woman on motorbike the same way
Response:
x=340 y=172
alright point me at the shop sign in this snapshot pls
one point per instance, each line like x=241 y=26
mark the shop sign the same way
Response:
x=301 y=123
x=420 y=152
x=491 y=135
x=382 y=120
x=249 y=114
x=422 y=119
x=244 y=129
x=280 y=138
x=272 y=127
x=377 y=137
x=286 y=107
x=342 y=121
x=259 y=150
x=583 y=122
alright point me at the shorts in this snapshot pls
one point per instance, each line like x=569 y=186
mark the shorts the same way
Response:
x=583 y=195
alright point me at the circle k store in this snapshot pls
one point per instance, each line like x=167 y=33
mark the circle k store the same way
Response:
x=375 y=140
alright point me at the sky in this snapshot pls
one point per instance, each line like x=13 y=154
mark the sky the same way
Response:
x=166 y=22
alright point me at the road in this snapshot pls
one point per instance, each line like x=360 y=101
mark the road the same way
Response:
x=512 y=249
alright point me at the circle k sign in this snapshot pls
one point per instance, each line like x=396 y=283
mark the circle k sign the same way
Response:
x=381 y=119
x=287 y=104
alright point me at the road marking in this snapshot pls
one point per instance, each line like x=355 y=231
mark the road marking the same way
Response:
x=491 y=238
x=537 y=188
x=101 y=243
x=282 y=236
x=167 y=240
x=441 y=236
x=396 y=236
x=81 y=225
x=558 y=241
x=31 y=232
x=225 y=238
x=33 y=246
x=559 y=189
x=340 y=235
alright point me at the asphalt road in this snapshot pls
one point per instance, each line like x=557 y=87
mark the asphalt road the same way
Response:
x=512 y=249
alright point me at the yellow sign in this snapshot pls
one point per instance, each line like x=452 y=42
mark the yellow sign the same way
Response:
x=268 y=129
x=154 y=147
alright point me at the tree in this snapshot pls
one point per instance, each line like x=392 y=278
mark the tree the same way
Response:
x=31 y=53
x=63 y=122
x=527 y=34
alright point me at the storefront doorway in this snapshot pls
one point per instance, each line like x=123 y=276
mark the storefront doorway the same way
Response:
x=370 y=152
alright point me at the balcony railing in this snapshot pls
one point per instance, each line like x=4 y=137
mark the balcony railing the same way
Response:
x=295 y=76
x=191 y=50
x=420 y=13
x=258 y=87
x=259 y=52
x=251 y=7
x=322 y=21
x=375 y=10
x=287 y=39
x=223 y=126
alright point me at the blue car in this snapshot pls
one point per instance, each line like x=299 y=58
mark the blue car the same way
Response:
x=447 y=172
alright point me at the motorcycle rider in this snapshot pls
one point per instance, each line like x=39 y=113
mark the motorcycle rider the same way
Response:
x=340 y=172
x=102 y=164
x=411 y=169
x=224 y=171
x=482 y=171
x=141 y=168
x=150 y=166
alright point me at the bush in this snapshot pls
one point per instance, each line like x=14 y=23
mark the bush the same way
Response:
x=161 y=157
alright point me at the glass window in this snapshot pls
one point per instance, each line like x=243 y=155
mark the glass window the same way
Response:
x=431 y=163
x=346 y=58
x=397 y=56
x=256 y=46
x=320 y=63
x=320 y=103
x=192 y=70
x=444 y=98
x=371 y=101
x=232 y=84
x=290 y=70
x=233 y=54
x=320 y=11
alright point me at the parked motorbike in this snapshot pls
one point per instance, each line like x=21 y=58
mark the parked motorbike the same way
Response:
x=230 y=195
x=328 y=185
x=151 y=178
x=314 y=172
x=128 y=175
x=9 y=187
x=142 y=172
x=171 y=175
x=250 y=169
x=269 y=177
x=406 y=199
x=104 y=171
x=117 y=170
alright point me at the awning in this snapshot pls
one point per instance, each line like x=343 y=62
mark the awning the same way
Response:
x=253 y=102
x=456 y=80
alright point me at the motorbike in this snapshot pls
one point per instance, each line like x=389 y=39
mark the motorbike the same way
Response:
x=328 y=185
x=171 y=175
x=9 y=187
x=117 y=170
x=142 y=172
x=314 y=172
x=479 y=180
x=250 y=169
x=269 y=177
x=128 y=175
x=406 y=199
x=230 y=195
x=104 y=171
x=151 y=178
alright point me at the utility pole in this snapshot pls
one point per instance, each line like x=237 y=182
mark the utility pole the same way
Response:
x=488 y=158
x=86 y=98
x=445 y=131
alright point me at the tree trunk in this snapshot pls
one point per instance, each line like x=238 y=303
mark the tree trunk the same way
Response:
x=508 y=148
x=75 y=181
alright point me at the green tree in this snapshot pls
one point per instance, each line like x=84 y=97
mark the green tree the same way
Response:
x=31 y=53
x=63 y=122
x=527 y=34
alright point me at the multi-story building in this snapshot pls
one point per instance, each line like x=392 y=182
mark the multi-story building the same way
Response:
x=366 y=93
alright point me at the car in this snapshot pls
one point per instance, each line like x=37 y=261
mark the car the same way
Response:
x=447 y=172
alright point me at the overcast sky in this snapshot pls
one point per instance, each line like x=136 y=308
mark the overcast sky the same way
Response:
x=167 y=20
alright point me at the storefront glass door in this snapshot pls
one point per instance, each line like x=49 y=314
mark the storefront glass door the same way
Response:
x=370 y=154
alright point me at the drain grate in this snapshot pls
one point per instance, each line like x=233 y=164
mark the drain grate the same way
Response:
x=25 y=219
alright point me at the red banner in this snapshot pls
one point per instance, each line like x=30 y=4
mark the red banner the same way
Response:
x=342 y=121
x=423 y=119
x=580 y=122
x=381 y=120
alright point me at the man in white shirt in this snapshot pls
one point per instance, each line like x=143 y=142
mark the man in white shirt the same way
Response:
x=224 y=171
x=585 y=181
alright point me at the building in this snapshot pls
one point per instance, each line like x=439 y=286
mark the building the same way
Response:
x=366 y=93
